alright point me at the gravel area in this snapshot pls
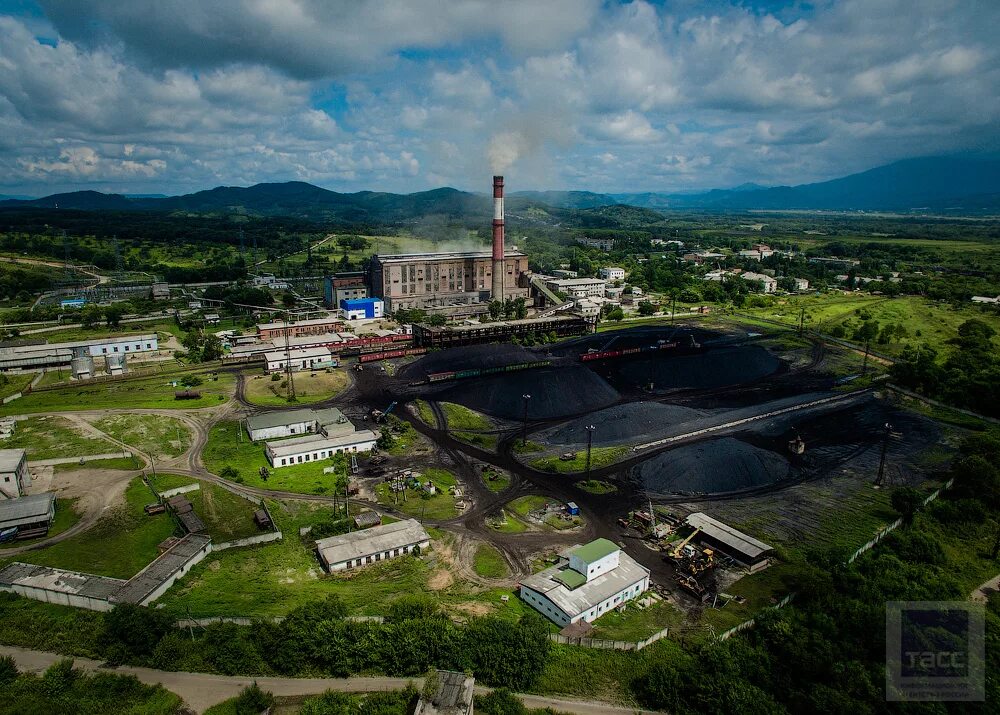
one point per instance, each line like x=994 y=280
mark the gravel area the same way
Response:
x=707 y=370
x=623 y=423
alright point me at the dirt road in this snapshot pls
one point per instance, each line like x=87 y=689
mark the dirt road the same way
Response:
x=202 y=690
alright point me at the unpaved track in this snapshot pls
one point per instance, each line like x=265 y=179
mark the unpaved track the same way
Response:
x=201 y=690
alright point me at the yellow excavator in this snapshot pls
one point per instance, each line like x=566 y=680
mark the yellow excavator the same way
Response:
x=676 y=553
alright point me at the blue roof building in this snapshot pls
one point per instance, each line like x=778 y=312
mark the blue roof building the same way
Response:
x=361 y=308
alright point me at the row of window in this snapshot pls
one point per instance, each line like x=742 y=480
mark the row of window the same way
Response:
x=391 y=554
x=314 y=456
x=138 y=346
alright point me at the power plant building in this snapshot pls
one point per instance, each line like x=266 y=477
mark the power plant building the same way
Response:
x=454 y=282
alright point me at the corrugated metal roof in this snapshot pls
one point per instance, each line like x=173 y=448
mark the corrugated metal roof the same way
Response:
x=727 y=535
x=281 y=418
x=300 y=445
x=33 y=508
x=10 y=459
x=378 y=539
x=576 y=601
x=595 y=550
x=140 y=586
x=50 y=579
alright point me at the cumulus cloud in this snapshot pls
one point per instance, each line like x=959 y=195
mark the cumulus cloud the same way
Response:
x=174 y=95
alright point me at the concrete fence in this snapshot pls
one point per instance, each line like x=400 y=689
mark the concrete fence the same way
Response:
x=11 y=398
x=248 y=541
x=603 y=644
x=853 y=557
x=244 y=621
x=167 y=493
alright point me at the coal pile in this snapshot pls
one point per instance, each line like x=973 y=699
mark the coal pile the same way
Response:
x=637 y=337
x=718 y=465
x=469 y=358
x=555 y=392
x=707 y=370
x=624 y=423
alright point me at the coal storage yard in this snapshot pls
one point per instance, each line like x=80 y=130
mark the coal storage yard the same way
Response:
x=630 y=422
x=473 y=357
x=719 y=465
x=711 y=369
x=555 y=392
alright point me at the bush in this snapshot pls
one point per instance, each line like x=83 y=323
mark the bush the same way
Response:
x=252 y=700
x=229 y=472
x=131 y=630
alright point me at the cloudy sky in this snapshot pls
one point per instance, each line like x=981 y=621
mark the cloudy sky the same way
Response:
x=169 y=96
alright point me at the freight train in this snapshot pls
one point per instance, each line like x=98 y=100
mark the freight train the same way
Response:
x=675 y=345
x=387 y=355
x=480 y=372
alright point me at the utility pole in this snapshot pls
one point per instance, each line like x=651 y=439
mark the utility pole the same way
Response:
x=885 y=447
x=802 y=320
x=864 y=365
x=590 y=442
x=673 y=306
x=524 y=426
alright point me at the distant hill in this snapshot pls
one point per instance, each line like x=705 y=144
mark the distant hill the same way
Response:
x=938 y=183
x=6 y=197
x=931 y=183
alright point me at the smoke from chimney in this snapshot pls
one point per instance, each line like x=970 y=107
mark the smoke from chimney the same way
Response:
x=498 y=231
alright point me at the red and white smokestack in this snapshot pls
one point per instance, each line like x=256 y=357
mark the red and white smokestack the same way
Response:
x=498 y=267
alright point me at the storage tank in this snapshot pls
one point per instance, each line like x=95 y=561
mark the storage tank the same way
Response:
x=81 y=364
x=116 y=364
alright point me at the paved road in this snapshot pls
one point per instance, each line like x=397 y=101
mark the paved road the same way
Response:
x=202 y=690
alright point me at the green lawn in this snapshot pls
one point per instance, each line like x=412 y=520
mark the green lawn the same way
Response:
x=227 y=446
x=464 y=419
x=599 y=457
x=310 y=387
x=164 y=326
x=528 y=447
x=10 y=384
x=485 y=441
x=522 y=505
x=162 y=482
x=120 y=544
x=510 y=524
x=496 y=480
x=226 y=515
x=425 y=412
x=54 y=437
x=439 y=507
x=66 y=516
x=596 y=486
x=152 y=434
x=489 y=563
x=637 y=623
x=271 y=579
x=155 y=392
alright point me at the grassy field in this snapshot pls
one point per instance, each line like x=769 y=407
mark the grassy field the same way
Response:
x=225 y=448
x=54 y=437
x=508 y=523
x=522 y=505
x=596 y=486
x=10 y=384
x=162 y=482
x=496 y=480
x=599 y=457
x=485 y=441
x=926 y=321
x=164 y=326
x=489 y=563
x=152 y=434
x=425 y=412
x=637 y=623
x=309 y=387
x=464 y=419
x=66 y=516
x=226 y=516
x=120 y=544
x=439 y=507
x=141 y=393
x=271 y=579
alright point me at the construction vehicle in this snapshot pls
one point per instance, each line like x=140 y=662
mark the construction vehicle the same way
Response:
x=699 y=562
x=380 y=416
x=677 y=551
x=691 y=585
x=797 y=445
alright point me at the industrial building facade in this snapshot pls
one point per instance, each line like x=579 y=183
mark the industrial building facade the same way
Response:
x=14 y=475
x=588 y=581
x=445 y=282
x=368 y=546
x=428 y=336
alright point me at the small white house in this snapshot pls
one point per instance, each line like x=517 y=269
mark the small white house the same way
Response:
x=770 y=284
x=299 y=359
x=612 y=273
x=14 y=475
x=588 y=581
x=801 y=284
x=369 y=546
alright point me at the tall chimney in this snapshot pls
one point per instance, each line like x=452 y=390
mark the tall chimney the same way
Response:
x=498 y=266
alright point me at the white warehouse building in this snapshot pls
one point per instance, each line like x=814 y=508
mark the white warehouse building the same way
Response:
x=588 y=581
x=317 y=447
x=368 y=546
x=299 y=359
x=612 y=273
x=14 y=474
x=295 y=423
